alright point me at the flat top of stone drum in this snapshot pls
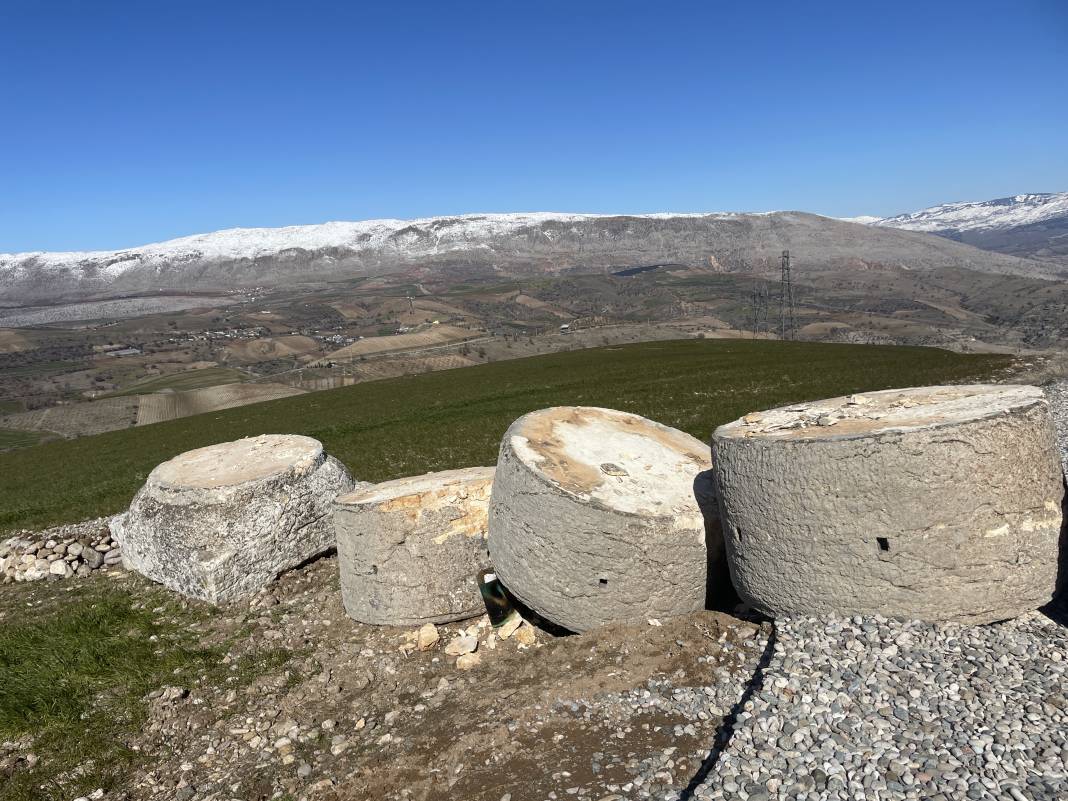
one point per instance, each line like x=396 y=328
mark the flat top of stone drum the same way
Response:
x=444 y=481
x=624 y=461
x=231 y=463
x=887 y=410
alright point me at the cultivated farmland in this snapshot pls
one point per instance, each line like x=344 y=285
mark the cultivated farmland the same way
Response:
x=162 y=406
x=190 y=379
x=436 y=335
x=76 y=419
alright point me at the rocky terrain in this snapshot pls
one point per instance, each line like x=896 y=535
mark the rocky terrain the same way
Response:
x=515 y=245
x=712 y=705
x=876 y=708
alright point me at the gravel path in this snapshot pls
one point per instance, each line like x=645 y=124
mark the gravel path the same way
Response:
x=879 y=709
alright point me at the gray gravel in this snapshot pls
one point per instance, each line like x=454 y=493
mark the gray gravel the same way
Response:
x=668 y=773
x=872 y=708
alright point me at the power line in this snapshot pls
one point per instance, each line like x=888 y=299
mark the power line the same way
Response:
x=787 y=320
x=758 y=304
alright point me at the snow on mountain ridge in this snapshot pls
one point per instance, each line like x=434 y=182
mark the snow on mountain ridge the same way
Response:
x=458 y=232
x=1008 y=212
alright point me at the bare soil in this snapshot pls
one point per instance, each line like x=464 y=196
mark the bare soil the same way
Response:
x=364 y=715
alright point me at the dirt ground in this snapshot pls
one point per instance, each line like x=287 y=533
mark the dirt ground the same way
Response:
x=357 y=713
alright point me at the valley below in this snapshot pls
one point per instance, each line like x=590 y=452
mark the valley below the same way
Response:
x=79 y=370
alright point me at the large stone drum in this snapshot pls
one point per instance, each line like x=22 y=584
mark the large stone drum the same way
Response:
x=220 y=522
x=594 y=517
x=937 y=503
x=409 y=550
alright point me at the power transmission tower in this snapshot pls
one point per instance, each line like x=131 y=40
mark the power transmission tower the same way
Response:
x=758 y=304
x=787 y=321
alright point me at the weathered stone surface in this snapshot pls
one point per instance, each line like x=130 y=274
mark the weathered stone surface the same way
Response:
x=939 y=503
x=594 y=519
x=218 y=523
x=409 y=549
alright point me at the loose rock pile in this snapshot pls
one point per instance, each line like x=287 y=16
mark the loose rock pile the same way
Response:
x=876 y=708
x=60 y=552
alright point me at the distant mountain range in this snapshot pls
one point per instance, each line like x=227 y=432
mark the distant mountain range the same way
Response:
x=1029 y=226
x=502 y=245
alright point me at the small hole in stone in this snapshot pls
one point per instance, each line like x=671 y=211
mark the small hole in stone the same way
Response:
x=603 y=582
x=884 y=543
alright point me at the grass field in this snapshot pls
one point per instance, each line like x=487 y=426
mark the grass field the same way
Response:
x=411 y=425
x=76 y=660
x=192 y=379
x=13 y=438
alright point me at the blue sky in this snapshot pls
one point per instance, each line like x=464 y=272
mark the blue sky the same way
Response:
x=127 y=123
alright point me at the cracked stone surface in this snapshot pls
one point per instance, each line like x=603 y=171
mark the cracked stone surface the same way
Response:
x=936 y=503
x=218 y=523
x=594 y=517
x=1057 y=392
x=409 y=550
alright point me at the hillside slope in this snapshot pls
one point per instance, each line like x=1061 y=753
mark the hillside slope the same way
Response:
x=1032 y=226
x=455 y=418
x=488 y=244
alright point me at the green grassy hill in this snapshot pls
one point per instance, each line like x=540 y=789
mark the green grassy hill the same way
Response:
x=455 y=418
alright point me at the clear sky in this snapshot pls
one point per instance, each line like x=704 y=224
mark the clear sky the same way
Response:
x=123 y=123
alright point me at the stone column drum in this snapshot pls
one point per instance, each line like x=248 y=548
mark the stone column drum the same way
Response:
x=594 y=517
x=218 y=523
x=936 y=503
x=409 y=550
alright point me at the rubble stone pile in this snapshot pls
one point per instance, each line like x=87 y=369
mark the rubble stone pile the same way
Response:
x=60 y=552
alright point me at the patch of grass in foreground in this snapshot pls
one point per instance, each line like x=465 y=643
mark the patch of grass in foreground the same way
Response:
x=191 y=379
x=75 y=664
x=11 y=438
x=455 y=418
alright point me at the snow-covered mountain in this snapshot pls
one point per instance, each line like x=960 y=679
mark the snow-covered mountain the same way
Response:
x=430 y=236
x=458 y=246
x=1031 y=226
